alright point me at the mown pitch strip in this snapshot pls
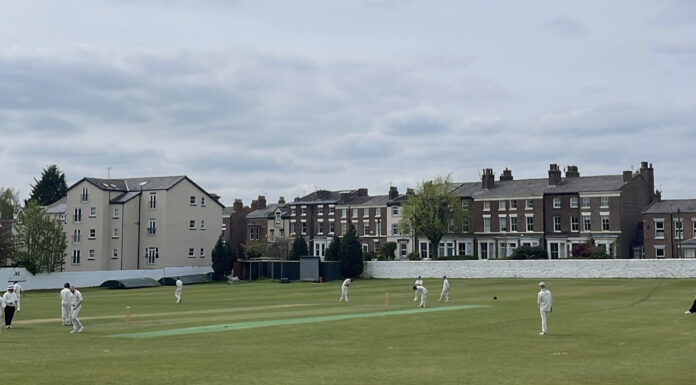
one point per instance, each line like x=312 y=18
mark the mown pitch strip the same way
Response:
x=288 y=321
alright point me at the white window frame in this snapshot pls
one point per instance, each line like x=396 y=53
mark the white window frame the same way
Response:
x=556 y=223
x=662 y=248
x=486 y=224
x=192 y=224
x=501 y=206
x=604 y=201
x=585 y=202
x=586 y=223
x=192 y=200
x=556 y=203
x=574 y=224
x=661 y=228
x=606 y=224
x=84 y=195
x=529 y=223
x=513 y=224
x=114 y=254
x=574 y=202
x=191 y=252
x=529 y=204
x=92 y=212
x=502 y=223
x=486 y=205
x=92 y=234
x=116 y=213
x=91 y=255
x=115 y=233
x=678 y=231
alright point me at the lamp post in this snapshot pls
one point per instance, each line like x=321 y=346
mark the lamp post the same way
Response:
x=140 y=199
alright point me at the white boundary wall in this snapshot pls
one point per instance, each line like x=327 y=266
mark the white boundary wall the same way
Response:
x=597 y=268
x=88 y=278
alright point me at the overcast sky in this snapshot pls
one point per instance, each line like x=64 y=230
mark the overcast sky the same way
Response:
x=273 y=97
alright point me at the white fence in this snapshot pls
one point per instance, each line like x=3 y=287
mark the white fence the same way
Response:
x=89 y=278
x=558 y=268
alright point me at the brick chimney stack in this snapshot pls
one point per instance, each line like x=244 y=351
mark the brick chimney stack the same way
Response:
x=238 y=205
x=554 y=175
x=281 y=201
x=393 y=193
x=627 y=176
x=261 y=202
x=506 y=175
x=572 y=172
x=487 y=178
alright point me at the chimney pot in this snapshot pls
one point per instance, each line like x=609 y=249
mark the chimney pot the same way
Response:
x=572 y=172
x=393 y=192
x=627 y=176
x=487 y=178
x=506 y=175
x=554 y=175
x=281 y=200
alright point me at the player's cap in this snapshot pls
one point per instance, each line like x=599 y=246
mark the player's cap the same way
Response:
x=11 y=287
x=542 y=284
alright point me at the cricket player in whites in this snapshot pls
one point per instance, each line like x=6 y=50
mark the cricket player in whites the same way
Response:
x=65 y=302
x=445 y=290
x=18 y=291
x=420 y=289
x=419 y=282
x=344 y=290
x=545 y=307
x=76 y=307
x=177 y=291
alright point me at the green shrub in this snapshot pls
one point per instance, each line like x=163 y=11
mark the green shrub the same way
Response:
x=414 y=256
x=529 y=252
x=458 y=258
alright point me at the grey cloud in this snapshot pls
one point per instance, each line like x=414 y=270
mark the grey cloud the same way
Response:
x=565 y=26
x=683 y=53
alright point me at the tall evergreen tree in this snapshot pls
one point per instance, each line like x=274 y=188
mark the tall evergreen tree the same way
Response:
x=40 y=241
x=230 y=258
x=333 y=252
x=299 y=248
x=219 y=258
x=50 y=188
x=351 y=254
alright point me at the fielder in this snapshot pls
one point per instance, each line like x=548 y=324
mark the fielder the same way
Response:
x=179 y=288
x=445 y=290
x=65 y=303
x=344 y=290
x=419 y=282
x=545 y=307
x=10 y=304
x=76 y=307
x=18 y=291
x=423 y=293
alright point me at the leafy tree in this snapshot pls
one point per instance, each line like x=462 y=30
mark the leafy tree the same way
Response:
x=387 y=250
x=6 y=244
x=40 y=241
x=299 y=248
x=9 y=203
x=351 y=255
x=50 y=188
x=529 y=252
x=230 y=258
x=253 y=249
x=333 y=252
x=433 y=211
x=219 y=258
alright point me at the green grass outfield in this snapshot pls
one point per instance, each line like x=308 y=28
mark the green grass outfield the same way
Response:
x=602 y=332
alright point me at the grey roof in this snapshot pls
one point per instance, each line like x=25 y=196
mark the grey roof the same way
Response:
x=671 y=206
x=538 y=187
x=269 y=211
x=228 y=210
x=377 y=200
x=314 y=197
x=124 y=197
x=58 y=207
x=133 y=184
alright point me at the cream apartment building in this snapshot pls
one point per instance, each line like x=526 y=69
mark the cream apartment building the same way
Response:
x=139 y=223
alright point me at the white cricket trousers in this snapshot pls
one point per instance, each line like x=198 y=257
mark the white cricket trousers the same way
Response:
x=177 y=294
x=65 y=313
x=445 y=295
x=424 y=297
x=344 y=294
x=544 y=325
x=74 y=313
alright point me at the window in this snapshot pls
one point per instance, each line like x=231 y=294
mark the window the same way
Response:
x=254 y=232
x=344 y=228
x=76 y=257
x=395 y=229
x=320 y=210
x=366 y=229
x=557 y=223
x=90 y=254
x=282 y=233
x=332 y=227
x=585 y=202
x=303 y=210
x=152 y=204
x=191 y=253
x=304 y=228
x=574 y=202
x=114 y=254
x=502 y=223
x=556 y=203
x=355 y=213
x=202 y=255
x=659 y=251
x=461 y=248
x=92 y=233
x=465 y=205
x=678 y=228
x=529 y=204
x=271 y=235
x=366 y=213
x=117 y=213
x=424 y=250
x=84 y=196
x=450 y=249
x=403 y=252
x=115 y=233
x=202 y=224
x=530 y=223
x=320 y=228
x=395 y=211
x=332 y=210
x=192 y=224
x=76 y=236
x=151 y=253
x=202 y=201
x=554 y=250
x=513 y=224
x=501 y=205
x=277 y=217
x=604 y=201
x=513 y=204
x=292 y=228
x=192 y=200
x=465 y=225
x=605 y=223
x=77 y=215
x=486 y=225
x=151 y=227
x=92 y=212
x=378 y=212
x=574 y=223
x=484 y=250
x=586 y=223
x=292 y=210
x=486 y=206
